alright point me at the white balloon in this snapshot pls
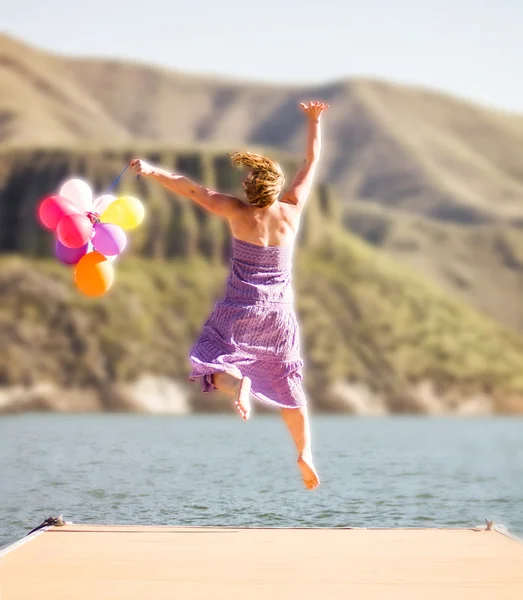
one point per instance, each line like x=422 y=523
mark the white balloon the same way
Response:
x=79 y=192
x=102 y=202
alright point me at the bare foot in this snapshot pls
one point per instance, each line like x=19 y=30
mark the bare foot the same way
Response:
x=308 y=472
x=242 y=400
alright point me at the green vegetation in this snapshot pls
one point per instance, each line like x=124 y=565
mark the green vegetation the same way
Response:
x=175 y=227
x=144 y=324
x=445 y=176
x=364 y=319
x=369 y=319
x=482 y=265
x=411 y=167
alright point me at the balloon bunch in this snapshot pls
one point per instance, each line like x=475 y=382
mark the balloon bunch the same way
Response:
x=89 y=234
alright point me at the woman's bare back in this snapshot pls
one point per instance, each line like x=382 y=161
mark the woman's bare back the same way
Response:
x=276 y=225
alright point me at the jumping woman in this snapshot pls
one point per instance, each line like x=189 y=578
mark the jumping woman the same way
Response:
x=250 y=344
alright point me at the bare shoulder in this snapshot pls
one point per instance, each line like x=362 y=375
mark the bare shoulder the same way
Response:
x=240 y=215
x=220 y=204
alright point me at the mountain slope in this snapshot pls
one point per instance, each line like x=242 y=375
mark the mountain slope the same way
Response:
x=174 y=227
x=482 y=265
x=406 y=148
x=40 y=103
x=402 y=151
x=375 y=336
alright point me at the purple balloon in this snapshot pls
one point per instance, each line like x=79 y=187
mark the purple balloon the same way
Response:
x=69 y=256
x=109 y=239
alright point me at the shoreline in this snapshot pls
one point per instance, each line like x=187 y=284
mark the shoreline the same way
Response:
x=152 y=394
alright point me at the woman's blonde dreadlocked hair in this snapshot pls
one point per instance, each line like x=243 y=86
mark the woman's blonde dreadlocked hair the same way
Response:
x=265 y=181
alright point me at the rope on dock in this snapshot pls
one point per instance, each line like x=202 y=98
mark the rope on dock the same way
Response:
x=49 y=522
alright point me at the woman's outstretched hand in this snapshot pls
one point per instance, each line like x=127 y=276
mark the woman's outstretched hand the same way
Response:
x=141 y=167
x=314 y=110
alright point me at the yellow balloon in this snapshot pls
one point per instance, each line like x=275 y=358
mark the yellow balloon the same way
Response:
x=126 y=211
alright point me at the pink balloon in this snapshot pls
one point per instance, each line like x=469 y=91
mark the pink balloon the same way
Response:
x=53 y=208
x=109 y=239
x=69 y=256
x=74 y=231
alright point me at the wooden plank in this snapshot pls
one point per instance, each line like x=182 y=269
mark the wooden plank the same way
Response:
x=135 y=562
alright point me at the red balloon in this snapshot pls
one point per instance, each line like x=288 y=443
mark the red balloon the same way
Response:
x=53 y=208
x=74 y=230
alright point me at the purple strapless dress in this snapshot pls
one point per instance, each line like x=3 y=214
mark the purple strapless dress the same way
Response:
x=254 y=330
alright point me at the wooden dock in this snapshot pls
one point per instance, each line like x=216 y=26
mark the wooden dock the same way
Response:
x=83 y=562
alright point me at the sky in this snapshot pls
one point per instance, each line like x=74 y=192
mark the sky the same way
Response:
x=470 y=48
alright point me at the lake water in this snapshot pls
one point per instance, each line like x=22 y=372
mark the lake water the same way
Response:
x=218 y=470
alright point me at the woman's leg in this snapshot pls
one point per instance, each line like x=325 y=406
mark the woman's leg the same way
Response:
x=233 y=384
x=297 y=421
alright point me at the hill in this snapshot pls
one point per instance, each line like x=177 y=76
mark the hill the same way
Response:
x=481 y=265
x=428 y=179
x=175 y=227
x=375 y=337
x=408 y=149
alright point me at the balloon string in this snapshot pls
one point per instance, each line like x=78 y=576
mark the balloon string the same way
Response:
x=115 y=182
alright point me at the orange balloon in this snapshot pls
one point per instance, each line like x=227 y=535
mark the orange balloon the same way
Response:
x=94 y=274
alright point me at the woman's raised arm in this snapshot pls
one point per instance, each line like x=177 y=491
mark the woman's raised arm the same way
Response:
x=301 y=186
